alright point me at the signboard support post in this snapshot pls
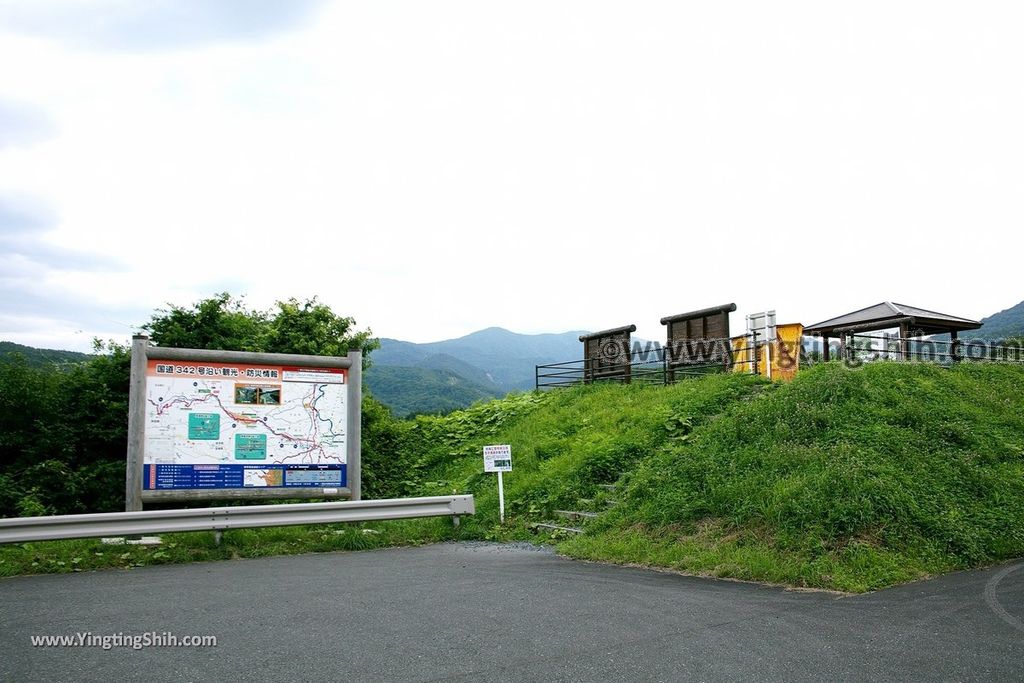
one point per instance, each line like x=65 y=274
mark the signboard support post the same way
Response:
x=501 y=498
x=136 y=424
x=355 y=416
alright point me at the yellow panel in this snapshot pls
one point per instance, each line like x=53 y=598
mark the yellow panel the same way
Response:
x=786 y=351
x=740 y=354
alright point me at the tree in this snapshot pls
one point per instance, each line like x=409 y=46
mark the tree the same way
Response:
x=224 y=322
x=220 y=322
x=312 y=328
x=62 y=434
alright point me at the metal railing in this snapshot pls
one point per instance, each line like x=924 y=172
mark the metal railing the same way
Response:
x=23 y=529
x=653 y=364
x=863 y=348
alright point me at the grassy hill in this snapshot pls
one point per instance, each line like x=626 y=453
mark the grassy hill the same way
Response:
x=40 y=357
x=409 y=390
x=844 y=479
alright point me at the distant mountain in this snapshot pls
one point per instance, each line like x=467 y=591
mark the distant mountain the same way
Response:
x=40 y=357
x=411 y=390
x=1001 y=325
x=493 y=358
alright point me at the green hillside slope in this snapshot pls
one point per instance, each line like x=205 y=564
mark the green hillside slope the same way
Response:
x=1001 y=325
x=844 y=479
x=423 y=390
x=40 y=357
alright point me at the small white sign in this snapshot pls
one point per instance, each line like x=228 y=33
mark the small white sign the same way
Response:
x=498 y=458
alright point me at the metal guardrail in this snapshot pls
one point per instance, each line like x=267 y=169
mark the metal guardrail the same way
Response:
x=23 y=529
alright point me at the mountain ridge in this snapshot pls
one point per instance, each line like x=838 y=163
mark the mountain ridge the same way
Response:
x=1005 y=324
x=504 y=360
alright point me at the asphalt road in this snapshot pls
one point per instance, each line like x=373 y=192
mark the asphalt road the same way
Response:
x=483 y=612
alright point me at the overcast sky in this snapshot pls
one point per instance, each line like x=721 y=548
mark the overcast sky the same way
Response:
x=433 y=168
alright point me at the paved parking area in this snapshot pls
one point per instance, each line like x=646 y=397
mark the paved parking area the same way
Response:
x=489 y=612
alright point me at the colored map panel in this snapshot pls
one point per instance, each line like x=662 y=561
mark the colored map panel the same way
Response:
x=208 y=423
x=203 y=426
x=250 y=446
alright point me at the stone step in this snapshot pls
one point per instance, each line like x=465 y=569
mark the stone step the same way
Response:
x=556 y=527
x=576 y=514
x=608 y=487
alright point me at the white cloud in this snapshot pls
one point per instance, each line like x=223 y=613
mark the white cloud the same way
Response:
x=155 y=25
x=435 y=168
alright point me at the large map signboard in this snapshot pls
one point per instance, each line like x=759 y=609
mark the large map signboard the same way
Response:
x=232 y=424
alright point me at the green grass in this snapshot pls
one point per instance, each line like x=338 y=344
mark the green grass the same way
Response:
x=55 y=557
x=566 y=443
x=844 y=479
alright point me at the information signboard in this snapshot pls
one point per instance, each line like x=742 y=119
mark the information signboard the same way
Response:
x=218 y=424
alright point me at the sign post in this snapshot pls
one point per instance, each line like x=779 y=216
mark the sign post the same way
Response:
x=498 y=459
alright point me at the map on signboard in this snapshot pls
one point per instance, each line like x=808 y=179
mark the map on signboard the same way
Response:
x=223 y=425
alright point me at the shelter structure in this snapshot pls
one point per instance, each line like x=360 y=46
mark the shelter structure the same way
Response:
x=607 y=354
x=910 y=320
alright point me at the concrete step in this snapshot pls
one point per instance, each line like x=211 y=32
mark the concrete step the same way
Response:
x=576 y=514
x=545 y=526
